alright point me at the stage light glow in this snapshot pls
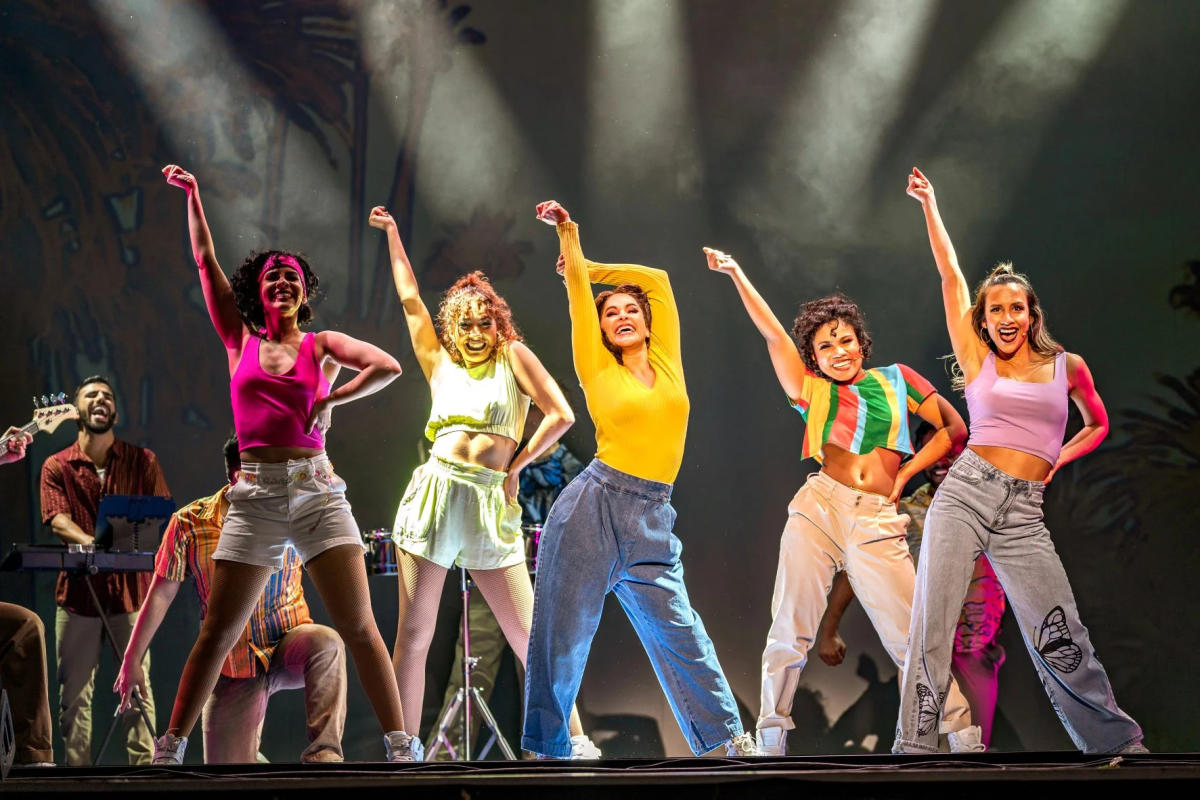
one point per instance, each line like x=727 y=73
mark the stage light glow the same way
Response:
x=1011 y=93
x=818 y=159
x=469 y=149
x=640 y=107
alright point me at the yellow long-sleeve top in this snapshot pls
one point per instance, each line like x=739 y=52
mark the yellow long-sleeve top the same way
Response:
x=640 y=430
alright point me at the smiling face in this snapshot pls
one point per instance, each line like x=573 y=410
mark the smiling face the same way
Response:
x=474 y=334
x=623 y=323
x=281 y=286
x=1006 y=317
x=837 y=351
x=97 y=407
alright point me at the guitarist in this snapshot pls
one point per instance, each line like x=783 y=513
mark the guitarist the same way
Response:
x=23 y=667
x=73 y=480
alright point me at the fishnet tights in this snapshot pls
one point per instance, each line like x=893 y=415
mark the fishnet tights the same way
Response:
x=508 y=592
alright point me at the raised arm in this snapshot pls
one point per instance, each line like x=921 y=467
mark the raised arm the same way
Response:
x=130 y=674
x=1095 y=416
x=587 y=346
x=376 y=369
x=793 y=376
x=969 y=349
x=536 y=382
x=421 y=330
x=951 y=434
x=218 y=294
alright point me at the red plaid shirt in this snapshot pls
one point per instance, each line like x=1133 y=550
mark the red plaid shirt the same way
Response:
x=70 y=485
x=187 y=548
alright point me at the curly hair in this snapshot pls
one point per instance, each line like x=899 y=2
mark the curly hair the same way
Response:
x=474 y=287
x=245 y=283
x=640 y=297
x=822 y=311
x=1040 y=340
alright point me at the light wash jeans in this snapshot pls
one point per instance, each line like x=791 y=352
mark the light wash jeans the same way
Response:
x=980 y=509
x=611 y=532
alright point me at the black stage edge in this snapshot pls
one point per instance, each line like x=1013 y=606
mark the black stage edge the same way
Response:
x=1008 y=775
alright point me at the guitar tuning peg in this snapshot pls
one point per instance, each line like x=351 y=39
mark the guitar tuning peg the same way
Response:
x=35 y=402
x=60 y=398
x=45 y=401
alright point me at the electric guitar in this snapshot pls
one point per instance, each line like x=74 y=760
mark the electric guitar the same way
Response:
x=48 y=414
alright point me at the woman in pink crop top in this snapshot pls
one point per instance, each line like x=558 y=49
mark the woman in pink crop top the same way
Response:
x=844 y=536
x=1017 y=381
x=288 y=493
x=460 y=507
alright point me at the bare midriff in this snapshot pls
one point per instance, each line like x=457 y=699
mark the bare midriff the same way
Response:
x=489 y=450
x=1021 y=465
x=277 y=455
x=873 y=472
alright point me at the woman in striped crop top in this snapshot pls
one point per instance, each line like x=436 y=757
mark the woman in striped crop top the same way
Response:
x=1017 y=382
x=288 y=493
x=460 y=507
x=843 y=534
x=611 y=528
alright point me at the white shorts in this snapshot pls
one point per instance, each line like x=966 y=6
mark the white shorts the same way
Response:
x=301 y=503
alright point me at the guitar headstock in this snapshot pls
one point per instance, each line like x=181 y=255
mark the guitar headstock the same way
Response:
x=52 y=411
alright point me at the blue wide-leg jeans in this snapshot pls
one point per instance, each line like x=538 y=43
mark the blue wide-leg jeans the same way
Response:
x=611 y=532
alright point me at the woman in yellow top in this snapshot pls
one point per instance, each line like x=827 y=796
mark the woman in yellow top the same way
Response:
x=460 y=508
x=610 y=529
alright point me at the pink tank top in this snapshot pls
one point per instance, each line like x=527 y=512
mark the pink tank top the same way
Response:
x=1019 y=415
x=270 y=410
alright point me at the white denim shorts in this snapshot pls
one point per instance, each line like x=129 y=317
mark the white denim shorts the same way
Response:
x=455 y=514
x=301 y=503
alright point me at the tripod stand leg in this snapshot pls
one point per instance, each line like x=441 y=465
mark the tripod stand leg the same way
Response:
x=490 y=721
x=441 y=737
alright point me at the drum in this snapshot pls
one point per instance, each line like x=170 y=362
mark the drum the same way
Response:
x=380 y=553
x=533 y=535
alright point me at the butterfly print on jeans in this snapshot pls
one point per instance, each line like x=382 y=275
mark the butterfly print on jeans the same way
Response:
x=1054 y=643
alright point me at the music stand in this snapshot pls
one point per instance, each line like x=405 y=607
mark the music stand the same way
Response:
x=467 y=695
x=127 y=524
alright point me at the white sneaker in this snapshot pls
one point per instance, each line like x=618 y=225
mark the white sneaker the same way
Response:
x=742 y=746
x=402 y=747
x=584 y=749
x=169 y=749
x=772 y=741
x=1134 y=749
x=967 y=740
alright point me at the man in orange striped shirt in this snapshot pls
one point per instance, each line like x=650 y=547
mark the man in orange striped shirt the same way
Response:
x=281 y=648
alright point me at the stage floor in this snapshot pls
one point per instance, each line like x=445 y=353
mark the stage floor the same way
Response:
x=985 y=775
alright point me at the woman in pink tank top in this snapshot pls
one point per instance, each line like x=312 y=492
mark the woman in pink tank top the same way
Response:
x=1017 y=381
x=288 y=493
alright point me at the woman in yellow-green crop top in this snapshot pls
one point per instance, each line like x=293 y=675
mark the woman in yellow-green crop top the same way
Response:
x=610 y=529
x=460 y=508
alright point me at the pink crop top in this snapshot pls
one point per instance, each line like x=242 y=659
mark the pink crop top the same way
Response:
x=270 y=410
x=1019 y=415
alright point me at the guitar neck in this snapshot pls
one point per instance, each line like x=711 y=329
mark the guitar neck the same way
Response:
x=29 y=427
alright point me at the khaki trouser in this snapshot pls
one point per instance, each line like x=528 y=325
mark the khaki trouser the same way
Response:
x=77 y=643
x=23 y=675
x=309 y=657
x=832 y=527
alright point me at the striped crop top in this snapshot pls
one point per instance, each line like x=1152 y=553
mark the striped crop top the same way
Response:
x=481 y=399
x=858 y=417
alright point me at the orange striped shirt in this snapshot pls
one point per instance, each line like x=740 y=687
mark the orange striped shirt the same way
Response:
x=186 y=549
